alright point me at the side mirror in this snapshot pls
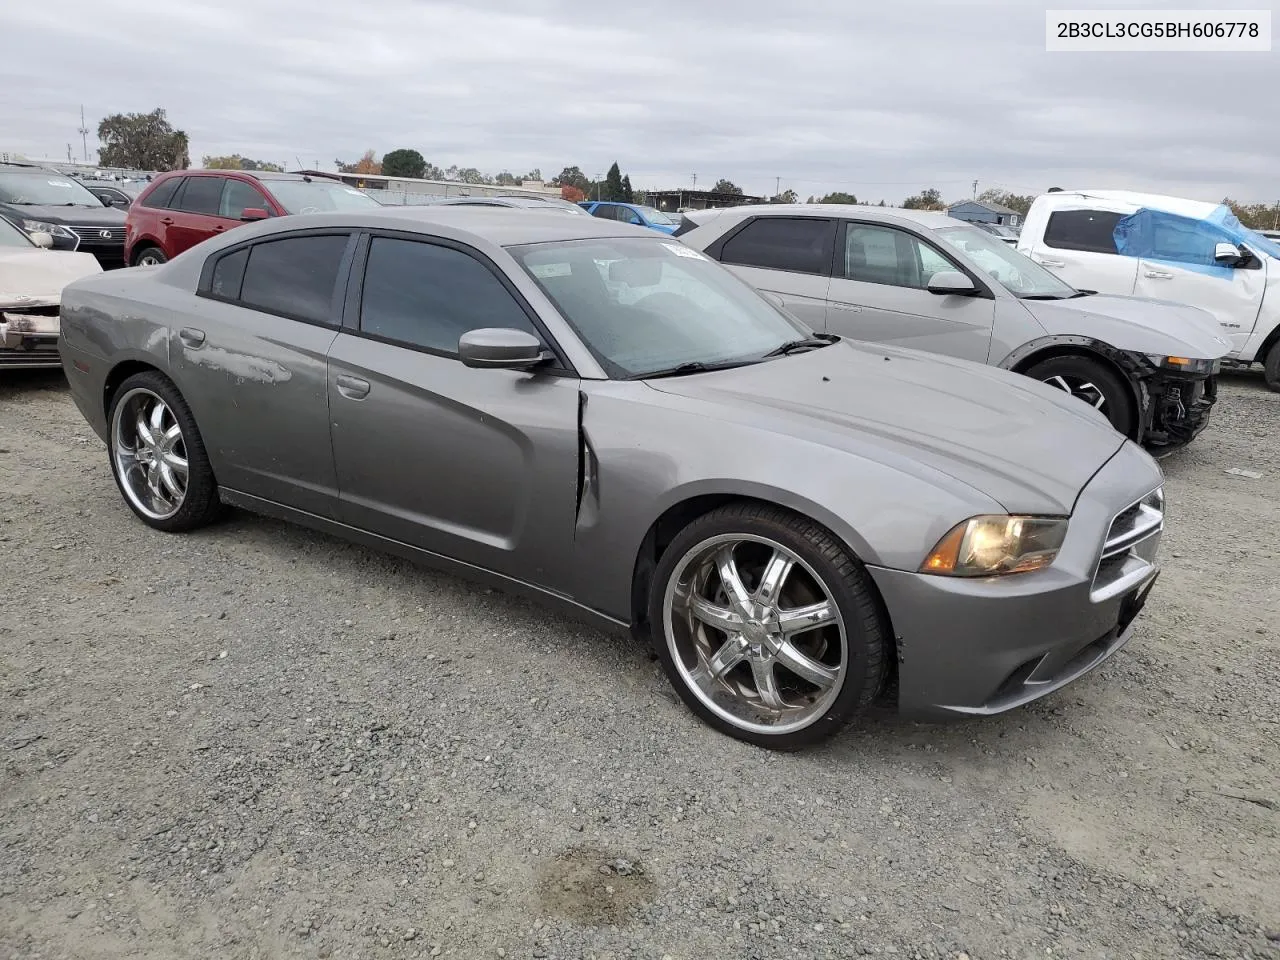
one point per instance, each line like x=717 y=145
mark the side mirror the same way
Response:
x=1228 y=254
x=253 y=213
x=42 y=239
x=951 y=282
x=500 y=348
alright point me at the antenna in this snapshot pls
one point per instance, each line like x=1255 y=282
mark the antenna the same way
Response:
x=84 y=136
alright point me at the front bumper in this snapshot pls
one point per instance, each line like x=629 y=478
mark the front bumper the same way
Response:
x=1178 y=409
x=28 y=340
x=983 y=646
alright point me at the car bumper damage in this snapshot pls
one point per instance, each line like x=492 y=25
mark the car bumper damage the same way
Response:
x=984 y=646
x=1178 y=408
x=29 y=336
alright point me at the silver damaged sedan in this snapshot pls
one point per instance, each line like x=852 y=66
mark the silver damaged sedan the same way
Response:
x=603 y=418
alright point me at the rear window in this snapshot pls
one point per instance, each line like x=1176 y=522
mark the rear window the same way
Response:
x=162 y=195
x=1088 y=230
x=294 y=277
x=796 y=244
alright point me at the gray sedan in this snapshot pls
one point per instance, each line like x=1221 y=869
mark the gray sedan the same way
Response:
x=605 y=419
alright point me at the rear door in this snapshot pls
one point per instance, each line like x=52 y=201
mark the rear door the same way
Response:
x=194 y=214
x=477 y=465
x=789 y=257
x=879 y=294
x=1079 y=246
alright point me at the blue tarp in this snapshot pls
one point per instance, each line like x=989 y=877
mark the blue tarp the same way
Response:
x=1186 y=241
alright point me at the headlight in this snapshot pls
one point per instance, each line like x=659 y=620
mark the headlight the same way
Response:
x=53 y=229
x=1184 y=364
x=987 y=546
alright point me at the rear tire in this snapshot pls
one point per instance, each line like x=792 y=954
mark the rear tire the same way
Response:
x=768 y=628
x=1094 y=383
x=1271 y=367
x=148 y=256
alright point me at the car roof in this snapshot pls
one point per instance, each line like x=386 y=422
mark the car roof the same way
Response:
x=929 y=219
x=1179 y=206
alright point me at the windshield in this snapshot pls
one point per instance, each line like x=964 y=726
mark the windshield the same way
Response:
x=11 y=236
x=44 y=189
x=298 y=196
x=644 y=306
x=654 y=215
x=1020 y=275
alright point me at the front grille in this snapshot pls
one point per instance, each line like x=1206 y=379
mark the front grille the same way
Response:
x=93 y=234
x=1129 y=551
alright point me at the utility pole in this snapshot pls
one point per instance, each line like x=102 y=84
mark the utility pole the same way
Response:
x=777 y=186
x=68 y=153
x=695 y=181
x=84 y=135
x=975 y=189
x=1275 y=223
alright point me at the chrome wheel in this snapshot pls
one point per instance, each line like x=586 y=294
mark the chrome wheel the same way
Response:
x=150 y=454
x=150 y=258
x=755 y=634
x=1081 y=389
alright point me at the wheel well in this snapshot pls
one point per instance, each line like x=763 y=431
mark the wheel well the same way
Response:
x=679 y=516
x=118 y=375
x=1272 y=338
x=137 y=249
x=1074 y=350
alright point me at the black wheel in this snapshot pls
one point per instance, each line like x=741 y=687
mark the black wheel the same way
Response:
x=148 y=256
x=1094 y=383
x=767 y=627
x=1271 y=367
x=158 y=457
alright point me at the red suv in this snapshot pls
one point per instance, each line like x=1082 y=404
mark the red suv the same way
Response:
x=181 y=208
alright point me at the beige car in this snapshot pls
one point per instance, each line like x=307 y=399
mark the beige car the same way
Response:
x=31 y=280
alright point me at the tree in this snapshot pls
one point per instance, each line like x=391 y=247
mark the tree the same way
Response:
x=573 y=177
x=236 y=162
x=1013 y=201
x=726 y=186
x=142 y=141
x=506 y=179
x=613 y=184
x=472 y=175
x=1255 y=216
x=534 y=174
x=929 y=199
x=839 y=196
x=786 y=196
x=628 y=195
x=366 y=164
x=572 y=194
x=404 y=162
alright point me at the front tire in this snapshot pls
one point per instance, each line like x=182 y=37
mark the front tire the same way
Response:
x=157 y=456
x=149 y=256
x=1271 y=367
x=1093 y=383
x=768 y=628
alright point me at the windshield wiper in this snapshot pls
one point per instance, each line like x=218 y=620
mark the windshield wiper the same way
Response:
x=807 y=343
x=693 y=366
x=1043 y=296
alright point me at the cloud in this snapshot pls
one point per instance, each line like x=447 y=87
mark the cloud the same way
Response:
x=881 y=100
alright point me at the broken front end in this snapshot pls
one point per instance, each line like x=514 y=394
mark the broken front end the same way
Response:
x=1178 y=394
x=29 y=333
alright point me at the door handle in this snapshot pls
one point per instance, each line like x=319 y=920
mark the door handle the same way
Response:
x=1159 y=275
x=847 y=307
x=353 y=388
x=191 y=336
x=166 y=220
x=1049 y=263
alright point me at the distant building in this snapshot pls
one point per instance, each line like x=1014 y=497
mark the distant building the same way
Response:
x=409 y=190
x=980 y=211
x=671 y=200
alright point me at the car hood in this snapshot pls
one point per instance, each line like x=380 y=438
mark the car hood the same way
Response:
x=61 y=213
x=1027 y=446
x=1135 y=323
x=35 y=277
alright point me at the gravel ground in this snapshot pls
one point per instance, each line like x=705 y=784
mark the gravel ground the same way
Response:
x=257 y=741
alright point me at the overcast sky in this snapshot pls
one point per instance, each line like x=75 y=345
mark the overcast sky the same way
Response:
x=879 y=99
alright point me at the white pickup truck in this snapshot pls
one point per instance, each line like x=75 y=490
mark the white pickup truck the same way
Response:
x=1165 y=248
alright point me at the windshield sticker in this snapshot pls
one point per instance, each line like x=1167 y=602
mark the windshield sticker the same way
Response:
x=544 y=271
x=680 y=250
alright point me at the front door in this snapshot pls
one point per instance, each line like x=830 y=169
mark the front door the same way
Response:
x=477 y=465
x=879 y=294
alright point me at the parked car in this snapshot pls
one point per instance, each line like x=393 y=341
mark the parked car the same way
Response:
x=31 y=282
x=526 y=203
x=929 y=281
x=182 y=208
x=114 y=193
x=1007 y=234
x=604 y=419
x=37 y=200
x=1184 y=251
x=634 y=213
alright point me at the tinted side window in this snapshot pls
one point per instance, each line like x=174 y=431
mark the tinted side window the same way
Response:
x=295 y=276
x=627 y=215
x=798 y=244
x=1088 y=230
x=884 y=255
x=162 y=196
x=228 y=274
x=428 y=296
x=605 y=211
x=238 y=196
x=202 y=195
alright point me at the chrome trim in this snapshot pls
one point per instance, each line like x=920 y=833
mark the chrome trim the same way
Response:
x=1126 y=544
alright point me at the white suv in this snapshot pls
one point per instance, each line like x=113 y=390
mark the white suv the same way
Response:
x=1166 y=248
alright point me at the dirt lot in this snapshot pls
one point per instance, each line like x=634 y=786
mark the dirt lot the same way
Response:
x=261 y=742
